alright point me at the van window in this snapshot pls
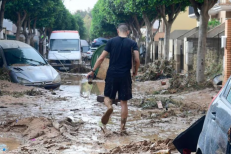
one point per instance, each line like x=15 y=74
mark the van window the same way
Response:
x=64 y=44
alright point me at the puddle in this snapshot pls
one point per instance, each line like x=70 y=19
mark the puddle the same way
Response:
x=8 y=144
x=78 y=86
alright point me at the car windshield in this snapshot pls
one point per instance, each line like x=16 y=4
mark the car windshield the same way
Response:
x=64 y=44
x=23 y=56
x=86 y=49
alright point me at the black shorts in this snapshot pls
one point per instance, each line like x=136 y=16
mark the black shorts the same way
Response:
x=122 y=85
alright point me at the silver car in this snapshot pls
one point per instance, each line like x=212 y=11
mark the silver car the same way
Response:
x=26 y=66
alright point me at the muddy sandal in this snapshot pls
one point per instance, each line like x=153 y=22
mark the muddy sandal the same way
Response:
x=106 y=116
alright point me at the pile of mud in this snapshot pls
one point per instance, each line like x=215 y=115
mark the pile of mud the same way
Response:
x=158 y=147
x=42 y=134
x=17 y=90
x=160 y=69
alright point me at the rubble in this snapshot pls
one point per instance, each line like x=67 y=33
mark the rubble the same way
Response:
x=181 y=82
x=152 y=102
x=157 y=70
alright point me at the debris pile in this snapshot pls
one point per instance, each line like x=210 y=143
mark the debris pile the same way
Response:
x=180 y=82
x=4 y=75
x=158 y=147
x=157 y=70
x=152 y=102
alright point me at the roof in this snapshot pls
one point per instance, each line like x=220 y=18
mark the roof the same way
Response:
x=177 y=33
x=84 y=43
x=9 y=44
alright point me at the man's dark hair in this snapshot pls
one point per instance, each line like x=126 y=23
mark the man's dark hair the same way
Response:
x=123 y=27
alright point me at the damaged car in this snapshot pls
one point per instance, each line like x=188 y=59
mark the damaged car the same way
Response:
x=26 y=66
x=211 y=134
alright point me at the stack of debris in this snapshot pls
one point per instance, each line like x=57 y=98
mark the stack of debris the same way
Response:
x=157 y=70
x=180 y=82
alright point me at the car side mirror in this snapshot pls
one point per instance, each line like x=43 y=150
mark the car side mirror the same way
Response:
x=81 y=49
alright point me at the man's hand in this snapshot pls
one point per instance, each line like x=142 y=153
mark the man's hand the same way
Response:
x=90 y=74
x=134 y=74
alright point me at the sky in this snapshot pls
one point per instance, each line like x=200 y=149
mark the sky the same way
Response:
x=74 y=5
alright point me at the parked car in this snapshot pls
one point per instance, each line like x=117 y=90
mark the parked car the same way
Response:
x=26 y=66
x=85 y=47
x=98 y=42
x=211 y=134
x=214 y=137
x=86 y=50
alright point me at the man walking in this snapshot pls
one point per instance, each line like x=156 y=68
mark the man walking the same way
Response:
x=118 y=77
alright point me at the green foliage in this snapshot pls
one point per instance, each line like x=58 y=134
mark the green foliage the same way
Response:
x=100 y=26
x=213 y=23
x=48 y=13
x=80 y=23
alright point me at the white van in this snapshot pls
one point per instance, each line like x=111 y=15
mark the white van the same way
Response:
x=64 y=50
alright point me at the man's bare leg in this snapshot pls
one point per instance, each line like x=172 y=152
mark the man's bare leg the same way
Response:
x=106 y=116
x=124 y=115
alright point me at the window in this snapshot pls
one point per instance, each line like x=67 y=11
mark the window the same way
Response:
x=64 y=45
x=86 y=48
x=23 y=56
x=227 y=93
x=227 y=90
x=104 y=41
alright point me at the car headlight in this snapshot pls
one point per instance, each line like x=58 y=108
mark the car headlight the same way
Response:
x=75 y=62
x=57 y=79
x=23 y=81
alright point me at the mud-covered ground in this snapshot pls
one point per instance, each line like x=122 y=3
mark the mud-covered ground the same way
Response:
x=67 y=120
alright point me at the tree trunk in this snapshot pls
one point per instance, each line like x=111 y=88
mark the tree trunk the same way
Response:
x=149 y=41
x=41 y=39
x=18 y=31
x=2 y=11
x=28 y=40
x=202 y=43
x=168 y=28
x=41 y=47
x=19 y=24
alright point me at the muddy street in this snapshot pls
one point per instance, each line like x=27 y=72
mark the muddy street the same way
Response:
x=68 y=120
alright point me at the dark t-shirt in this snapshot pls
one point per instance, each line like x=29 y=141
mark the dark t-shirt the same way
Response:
x=120 y=50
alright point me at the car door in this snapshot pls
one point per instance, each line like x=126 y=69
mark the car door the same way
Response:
x=220 y=121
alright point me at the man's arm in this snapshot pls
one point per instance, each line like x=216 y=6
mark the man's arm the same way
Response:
x=98 y=62
x=137 y=62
